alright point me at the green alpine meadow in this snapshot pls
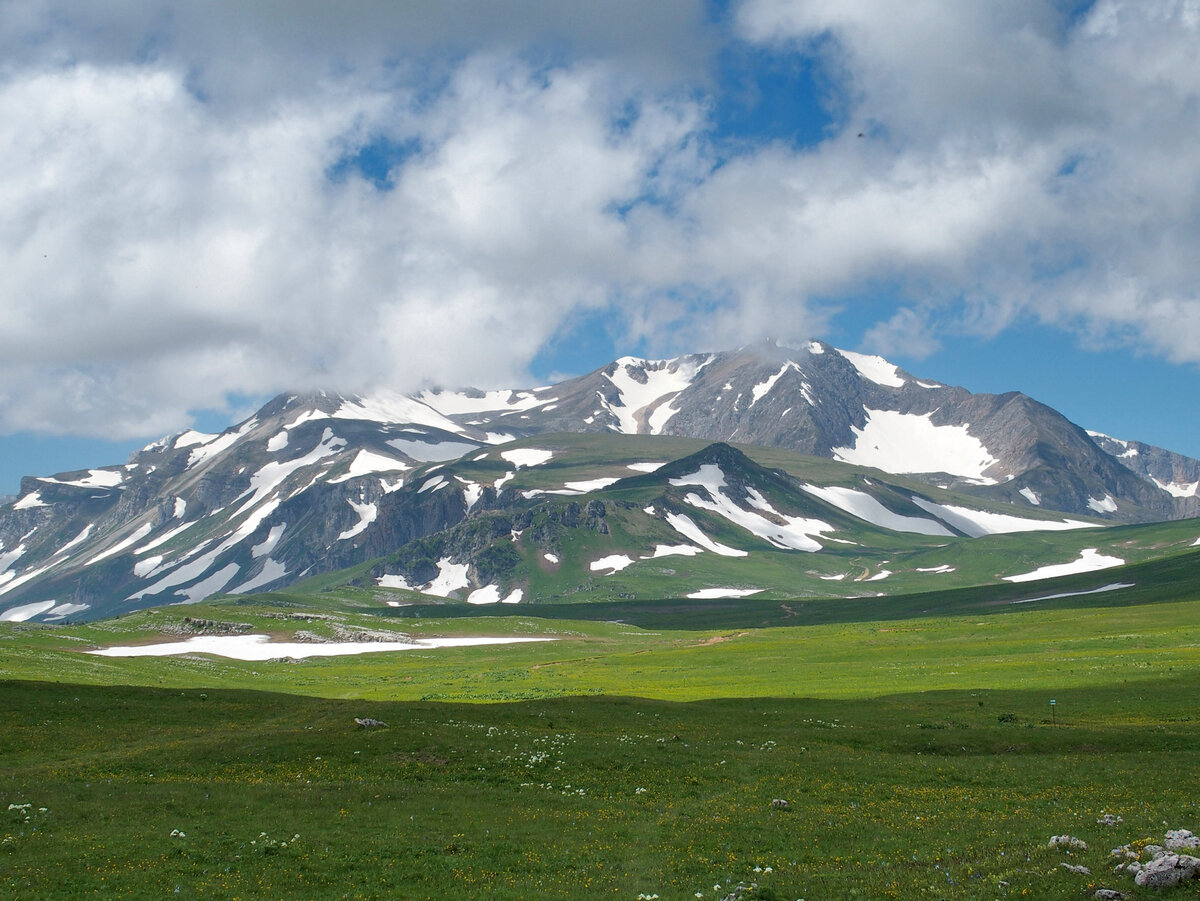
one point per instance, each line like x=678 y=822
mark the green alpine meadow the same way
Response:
x=911 y=746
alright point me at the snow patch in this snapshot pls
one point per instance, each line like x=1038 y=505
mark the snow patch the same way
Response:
x=277 y=442
x=194 y=594
x=190 y=438
x=78 y=539
x=437 y=481
x=867 y=508
x=67 y=610
x=1115 y=586
x=614 y=563
x=1105 y=504
x=96 y=478
x=674 y=550
x=944 y=568
x=457 y=403
x=686 y=527
x=162 y=539
x=26 y=611
x=429 y=451
x=144 y=568
x=526 y=456
x=450 y=577
x=764 y=388
x=268 y=543
x=876 y=369
x=392 y=581
x=977 y=523
x=1179 y=489
x=389 y=407
x=366 y=516
x=794 y=533
x=180 y=506
x=133 y=539
x=219 y=443
x=472 y=491
x=29 y=501
x=550 y=558
x=590 y=485
x=271 y=571
x=1089 y=560
x=707 y=594
x=490 y=594
x=368 y=462
x=907 y=442
x=645 y=467
x=1030 y=495
x=260 y=647
x=664 y=380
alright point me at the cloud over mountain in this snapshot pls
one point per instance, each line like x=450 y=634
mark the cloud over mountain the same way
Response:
x=209 y=204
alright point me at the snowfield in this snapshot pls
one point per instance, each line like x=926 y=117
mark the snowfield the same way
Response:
x=614 y=563
x=977 y=523
x=261 y=648
x=875 y=369
x=906 y=442
x=665 y=379
x=1089 y=560
x=708 y=594
x=793 y=533
x=96 y=478
x=526 y=456
x=867 y=508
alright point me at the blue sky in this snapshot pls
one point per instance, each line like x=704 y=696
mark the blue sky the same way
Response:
x=208 y=204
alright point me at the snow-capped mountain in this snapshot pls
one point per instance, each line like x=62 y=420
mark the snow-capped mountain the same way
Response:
x=316 y=483
x=859 y=409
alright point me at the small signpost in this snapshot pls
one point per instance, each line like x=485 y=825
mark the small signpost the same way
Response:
x=1053 y=721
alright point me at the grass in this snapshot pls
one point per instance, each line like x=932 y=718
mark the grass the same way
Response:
x=893 y=797
x=912 y=738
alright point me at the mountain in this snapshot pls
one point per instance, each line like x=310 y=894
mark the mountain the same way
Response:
x=447 y=494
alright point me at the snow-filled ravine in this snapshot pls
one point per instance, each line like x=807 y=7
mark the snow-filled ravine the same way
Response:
x=260 y=647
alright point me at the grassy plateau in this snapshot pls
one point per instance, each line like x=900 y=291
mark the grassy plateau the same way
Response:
x=637 y=755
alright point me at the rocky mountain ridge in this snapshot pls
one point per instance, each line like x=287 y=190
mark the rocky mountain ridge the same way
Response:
x=314 y=483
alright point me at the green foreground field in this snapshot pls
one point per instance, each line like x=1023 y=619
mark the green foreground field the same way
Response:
x=919 y=757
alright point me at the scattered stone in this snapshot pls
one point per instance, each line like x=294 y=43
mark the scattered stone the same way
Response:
x=1076 y=868
x=367 y=723
x=191 y=625
x=779 y=804
x=1067 y=843
x=740 y=891
x=1181 y=840
x=1168 y=870
x=1109 y=819
x=1109 y=894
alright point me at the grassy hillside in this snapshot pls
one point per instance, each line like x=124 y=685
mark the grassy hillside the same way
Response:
x=912 y=737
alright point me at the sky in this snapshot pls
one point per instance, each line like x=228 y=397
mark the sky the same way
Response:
x=204 y=204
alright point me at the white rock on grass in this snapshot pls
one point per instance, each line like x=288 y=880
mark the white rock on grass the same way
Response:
x=1067 y=843
x=1181 y=840
x=1076 y=868
x=1168 y=870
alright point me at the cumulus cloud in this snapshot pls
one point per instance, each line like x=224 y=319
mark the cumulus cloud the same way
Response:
x=1079 y=129
x=182 y=220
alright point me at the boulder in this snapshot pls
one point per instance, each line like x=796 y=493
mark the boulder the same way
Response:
x=1168 y=870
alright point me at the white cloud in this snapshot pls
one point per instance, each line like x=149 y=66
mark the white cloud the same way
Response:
x=172 y=234
x=1081 y=212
